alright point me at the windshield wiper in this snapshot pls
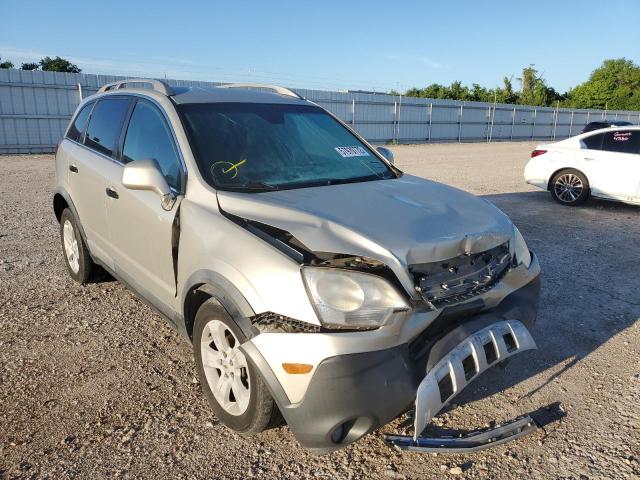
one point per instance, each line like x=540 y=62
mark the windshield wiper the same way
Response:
x=339 y=181
x=256 y=187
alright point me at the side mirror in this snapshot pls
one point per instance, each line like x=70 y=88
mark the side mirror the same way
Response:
x=386 y=153
x=146 y=175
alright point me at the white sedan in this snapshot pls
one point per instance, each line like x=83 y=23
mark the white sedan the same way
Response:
x=604 y=163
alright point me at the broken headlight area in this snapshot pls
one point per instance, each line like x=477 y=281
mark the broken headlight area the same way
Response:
x=269 y=322
x=462 y=277
x=352 y=300
x=521 y=251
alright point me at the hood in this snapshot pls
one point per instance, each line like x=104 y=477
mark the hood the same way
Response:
x=399 y=222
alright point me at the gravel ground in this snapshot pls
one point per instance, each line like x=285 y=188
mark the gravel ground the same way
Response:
x=94 y=385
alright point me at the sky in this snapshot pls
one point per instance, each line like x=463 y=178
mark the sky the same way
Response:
x=368 y=45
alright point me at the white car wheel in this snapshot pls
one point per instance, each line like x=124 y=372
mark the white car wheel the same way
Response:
x=71 y=246
x=225 y=367
x=569 y=187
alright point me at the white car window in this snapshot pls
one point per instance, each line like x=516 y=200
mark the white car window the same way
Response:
x=592 y=142
x=622 y=141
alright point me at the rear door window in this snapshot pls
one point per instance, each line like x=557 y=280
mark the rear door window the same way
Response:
x=105 y=124
x=77 y=127
x=593 y=142
x=622 y=141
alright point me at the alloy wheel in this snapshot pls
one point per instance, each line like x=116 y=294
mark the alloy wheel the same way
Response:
x=225 y=367
x=568 y=187
x=71 y=246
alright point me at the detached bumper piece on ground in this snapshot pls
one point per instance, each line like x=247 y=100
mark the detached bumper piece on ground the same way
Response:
x=455 y=371
x=470 y=442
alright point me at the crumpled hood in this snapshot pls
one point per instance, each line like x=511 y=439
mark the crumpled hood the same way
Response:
x=400 y=222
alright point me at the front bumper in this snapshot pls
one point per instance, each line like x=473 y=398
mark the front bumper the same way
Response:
x=350 y=395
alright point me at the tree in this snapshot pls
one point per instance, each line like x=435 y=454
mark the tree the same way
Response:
x=614 y=85
x=30 y=66
x=6 y=64
x=58 y=65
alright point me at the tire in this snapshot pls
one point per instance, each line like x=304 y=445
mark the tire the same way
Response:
x=569 y=187
x=76 y=254
x=252 y=409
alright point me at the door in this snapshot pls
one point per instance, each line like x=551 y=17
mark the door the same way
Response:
x=612 y=163
x=90 y=157
x=142 y=237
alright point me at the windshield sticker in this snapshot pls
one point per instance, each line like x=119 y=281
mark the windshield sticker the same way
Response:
x=621 y=136
x=346 y=152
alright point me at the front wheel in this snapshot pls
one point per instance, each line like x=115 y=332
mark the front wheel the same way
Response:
x=233 y=387
x=569 y=187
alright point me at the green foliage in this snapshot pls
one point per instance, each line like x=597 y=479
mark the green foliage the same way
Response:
x=30 y=66
x=6 y=64
x=58 y=65
x=615 y=85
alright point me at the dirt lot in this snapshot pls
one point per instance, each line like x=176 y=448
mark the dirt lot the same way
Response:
x=94 y=385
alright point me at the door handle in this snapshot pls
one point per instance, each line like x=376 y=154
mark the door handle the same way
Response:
x=73 y=168
x=589 y=159
x=112 y=193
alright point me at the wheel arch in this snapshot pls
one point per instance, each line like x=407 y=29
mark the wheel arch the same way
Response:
x=204 y=285
x=62 y=200
x=555 y=172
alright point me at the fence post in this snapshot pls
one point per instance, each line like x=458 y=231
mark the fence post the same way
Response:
x=395 y=120
x=488 y=117
x=555 y=120
x=460 y=124
x=80 y=91
x=398 y=122
x=571 y=124
x=353 y=113
x=430 y=121
x=513 y=123
x=533 y=128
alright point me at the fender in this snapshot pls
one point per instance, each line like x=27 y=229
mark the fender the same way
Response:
x=225 y=293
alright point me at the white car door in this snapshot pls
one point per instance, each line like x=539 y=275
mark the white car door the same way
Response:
x=611 y=161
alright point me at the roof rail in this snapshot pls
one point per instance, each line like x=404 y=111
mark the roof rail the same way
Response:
x=157 y=85
x=281 y=90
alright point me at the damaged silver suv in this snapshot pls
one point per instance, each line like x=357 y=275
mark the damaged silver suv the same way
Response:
x=316 y=281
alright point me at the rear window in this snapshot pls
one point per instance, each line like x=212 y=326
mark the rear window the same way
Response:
x=106 y=123
x=77 y=127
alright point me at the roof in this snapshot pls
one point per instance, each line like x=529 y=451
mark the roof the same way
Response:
x=228 y=93
x=183 y=95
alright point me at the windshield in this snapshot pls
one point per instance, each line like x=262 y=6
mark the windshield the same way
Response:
x=257 y=147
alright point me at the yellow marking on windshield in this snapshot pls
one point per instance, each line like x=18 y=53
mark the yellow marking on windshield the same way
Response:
x=234 y=165
x=222 y=168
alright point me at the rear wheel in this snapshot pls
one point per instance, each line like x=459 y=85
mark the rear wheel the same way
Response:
x=77 y=258
x=569 y=187
x=233 y=387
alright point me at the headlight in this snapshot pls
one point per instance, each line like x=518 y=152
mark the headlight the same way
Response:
x=520 y=248
x=350 y=300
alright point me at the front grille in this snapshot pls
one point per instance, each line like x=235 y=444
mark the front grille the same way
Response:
x=461 y=278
